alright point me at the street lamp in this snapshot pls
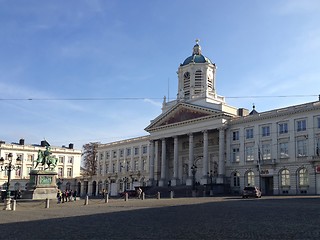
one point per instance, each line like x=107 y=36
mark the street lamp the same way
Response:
x=211 y=182
x=194 y=171
x=125 y=180
x=8 y=168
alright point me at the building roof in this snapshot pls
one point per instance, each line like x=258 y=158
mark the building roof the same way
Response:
x=196 y=56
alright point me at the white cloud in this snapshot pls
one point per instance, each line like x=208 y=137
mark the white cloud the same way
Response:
x=297 y=7
x=154 y=103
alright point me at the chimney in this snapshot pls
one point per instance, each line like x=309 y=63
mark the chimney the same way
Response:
x=70 y=145
x=21 y=141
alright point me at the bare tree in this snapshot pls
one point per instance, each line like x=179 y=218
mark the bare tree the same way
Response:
x=89 y=158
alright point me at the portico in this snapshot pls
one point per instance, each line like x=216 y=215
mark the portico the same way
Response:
x=177 y=146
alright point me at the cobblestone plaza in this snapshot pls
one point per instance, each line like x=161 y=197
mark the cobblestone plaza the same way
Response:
x=180 y=218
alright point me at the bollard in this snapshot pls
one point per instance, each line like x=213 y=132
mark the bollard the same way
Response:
x=171 y=194
x=158 y=195
x=14 y=204
x=211 y=193
x=47 y=203
x=143 y=196
x=126 y=197
x=86 y=201
x=106 y=200
x=7 y=204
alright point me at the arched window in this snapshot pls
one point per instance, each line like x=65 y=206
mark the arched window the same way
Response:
x=236 y=179
x=250 y=178
x=198 y=80
x=303 y=177
x=285 y=178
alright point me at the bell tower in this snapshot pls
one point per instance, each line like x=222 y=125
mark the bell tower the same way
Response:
x=196 y=77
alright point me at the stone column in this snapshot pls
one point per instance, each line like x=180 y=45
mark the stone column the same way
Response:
x=151 y=163
x=190 y=163
x=110 y=162
x=156 y=159
x=163 y=163
x=131 y=160
x=174 y=181
x=221 y=168
x=104 y=166
x=205 y=158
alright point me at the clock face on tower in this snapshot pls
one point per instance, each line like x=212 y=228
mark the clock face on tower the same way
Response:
x=186 y=75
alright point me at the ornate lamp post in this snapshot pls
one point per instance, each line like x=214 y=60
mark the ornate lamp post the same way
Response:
x=8 y=168
x=194 y=171
x=211 y=182
x=125 y=180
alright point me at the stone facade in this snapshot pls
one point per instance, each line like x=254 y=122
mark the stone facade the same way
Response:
x=68 y=166
x=199 y=139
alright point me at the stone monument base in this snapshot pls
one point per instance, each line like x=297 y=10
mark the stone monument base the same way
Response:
x=42 y=185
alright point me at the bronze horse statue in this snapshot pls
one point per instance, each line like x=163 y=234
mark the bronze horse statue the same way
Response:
x=45 y=158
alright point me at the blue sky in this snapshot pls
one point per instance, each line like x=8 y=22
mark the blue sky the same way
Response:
x=55 y=52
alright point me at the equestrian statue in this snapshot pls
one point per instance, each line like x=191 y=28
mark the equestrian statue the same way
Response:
x=46 y=159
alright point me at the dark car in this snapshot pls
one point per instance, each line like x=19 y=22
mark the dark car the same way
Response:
x=131 y=193
x=251 y=191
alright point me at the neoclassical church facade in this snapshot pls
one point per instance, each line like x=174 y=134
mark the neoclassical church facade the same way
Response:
x=200 y=139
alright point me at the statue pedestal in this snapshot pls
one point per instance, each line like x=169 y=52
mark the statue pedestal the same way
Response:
x=42 y=185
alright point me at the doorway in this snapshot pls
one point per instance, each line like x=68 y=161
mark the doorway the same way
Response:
x=267 y=186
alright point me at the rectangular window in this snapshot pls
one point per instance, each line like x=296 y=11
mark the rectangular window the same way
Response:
x=136 y=151
x=107 y=168
x=283 y=128
x=249 y=133
x=144 y=150
x=249 y=153
x=266 y=151
x=136 y=165
x=70 y=159
x=18 y=172
x=100 y=169
x=144 y=167
x=121 y=153
x=113 y=167
x=60 y=172
x=30 y=158
x=283 y=150
x=101 y=156
x=318 y=120
x=61 y=159
x=128 y=166
x=114 y=154
x=301 y=125
x=128 y=151
x=69 y=172
x=235 y=135
x=235 y=154
x=265 y=131
x=302 y=148
x=107 y=155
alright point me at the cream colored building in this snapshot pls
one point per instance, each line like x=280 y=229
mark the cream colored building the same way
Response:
x=198 y=138
x=68 y=167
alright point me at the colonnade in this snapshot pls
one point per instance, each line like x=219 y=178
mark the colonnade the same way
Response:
x=177 y=161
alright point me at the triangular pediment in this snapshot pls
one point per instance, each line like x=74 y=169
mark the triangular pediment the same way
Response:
x=181 y=113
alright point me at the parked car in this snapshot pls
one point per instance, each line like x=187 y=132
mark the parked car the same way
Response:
x=251 y=191
x=131 y=193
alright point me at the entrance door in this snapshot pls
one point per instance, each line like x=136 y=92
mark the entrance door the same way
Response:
x=267 y=185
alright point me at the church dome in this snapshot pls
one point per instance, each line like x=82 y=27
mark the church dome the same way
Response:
x=196 y=56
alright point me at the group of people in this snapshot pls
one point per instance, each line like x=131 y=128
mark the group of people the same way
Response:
x=66 y=196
